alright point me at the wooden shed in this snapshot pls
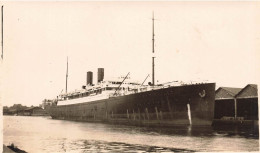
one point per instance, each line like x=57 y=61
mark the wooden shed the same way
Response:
x=34 y=111
x=247 y=102
x=225 y=102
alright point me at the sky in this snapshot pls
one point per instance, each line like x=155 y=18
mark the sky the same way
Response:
x=214 y=41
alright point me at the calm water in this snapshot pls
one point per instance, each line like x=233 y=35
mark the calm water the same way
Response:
x=43 y=134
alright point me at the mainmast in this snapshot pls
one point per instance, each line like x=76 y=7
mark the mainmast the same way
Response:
x=153 y=54
x=67 y=74
x=2 y=21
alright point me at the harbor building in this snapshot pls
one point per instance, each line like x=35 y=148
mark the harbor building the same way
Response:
x=225 y=102
x=247 y=102
x=33 y=111
x=236 y=105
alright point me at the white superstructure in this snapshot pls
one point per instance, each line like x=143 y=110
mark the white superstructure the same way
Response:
x=107 y=89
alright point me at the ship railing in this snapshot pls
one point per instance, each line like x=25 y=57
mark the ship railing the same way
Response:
x=134 y=91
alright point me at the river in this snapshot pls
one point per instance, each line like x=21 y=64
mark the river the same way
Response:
x=43 y=134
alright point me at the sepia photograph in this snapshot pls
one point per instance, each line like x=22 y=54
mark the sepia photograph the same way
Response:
x=141 y=76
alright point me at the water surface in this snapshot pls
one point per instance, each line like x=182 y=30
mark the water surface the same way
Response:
x=43 y=134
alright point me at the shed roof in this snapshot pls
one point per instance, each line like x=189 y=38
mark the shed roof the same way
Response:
x=249 y=91
x=232 y=91
x=227 y=92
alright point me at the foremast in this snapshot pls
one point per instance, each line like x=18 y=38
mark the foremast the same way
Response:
x=67 y=75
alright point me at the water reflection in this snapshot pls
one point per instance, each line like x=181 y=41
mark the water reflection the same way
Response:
x=102 y=146
x=41 y=134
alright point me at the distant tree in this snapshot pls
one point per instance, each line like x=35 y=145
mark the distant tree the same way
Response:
x=18 y=107
x=5 y=110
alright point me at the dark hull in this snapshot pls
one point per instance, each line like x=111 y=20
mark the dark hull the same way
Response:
x=163 y=107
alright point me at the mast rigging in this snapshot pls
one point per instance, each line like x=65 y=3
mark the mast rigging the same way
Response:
x=145 y=80
x=121 y=83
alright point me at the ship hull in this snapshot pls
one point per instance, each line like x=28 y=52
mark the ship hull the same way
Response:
x=172 y=106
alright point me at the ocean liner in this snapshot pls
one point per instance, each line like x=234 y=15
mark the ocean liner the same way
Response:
x=122 y=101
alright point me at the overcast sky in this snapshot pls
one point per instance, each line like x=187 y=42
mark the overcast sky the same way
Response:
x=218 y=42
